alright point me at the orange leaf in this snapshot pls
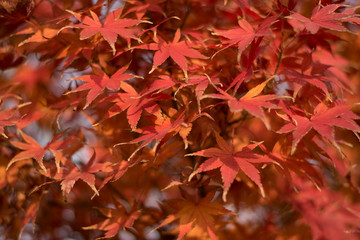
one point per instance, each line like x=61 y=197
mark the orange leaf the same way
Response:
x=200 y=213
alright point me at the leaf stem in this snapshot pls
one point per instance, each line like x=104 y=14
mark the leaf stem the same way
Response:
x=281 y=53
x=186 y=14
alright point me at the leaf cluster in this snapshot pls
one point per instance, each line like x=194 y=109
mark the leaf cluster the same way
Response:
x=187 y=119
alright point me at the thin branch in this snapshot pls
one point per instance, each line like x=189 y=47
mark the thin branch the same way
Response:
x=186 y=15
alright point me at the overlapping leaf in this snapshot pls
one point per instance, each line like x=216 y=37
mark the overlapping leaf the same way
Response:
x=327 y=213
x=117 y=219
x=200 y=83
x=245 y=33
x=140 y=8
x=32 y=149
x=196 y=214
x=98 y=82
x=7 y=118
x=252 y=101
x=299 y=80
x=324 y=120
x=135 y=104
x=325 y=17
x=177 y=50
x=230 y=162
x=112 y=27
x=72 y=173
x=163 y=129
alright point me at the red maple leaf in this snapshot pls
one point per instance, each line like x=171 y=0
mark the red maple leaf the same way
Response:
x=31 y=113
x=112 y=27
x=251 y=101
x=177 y=50
x=31 y=213
x=135 y=104
x=324 y=120
x=40 y=33
x=71 y=173
x=161 y=83
x=74 y=50
x=201 y=82
x=328 y=214
x=99 y=81
x=299 y=80
x=140 y=8
x=230 y=162
x=245 y=33
x=8 y=118
x=199 y=214
x=32 y=149
x=163 y=129
x=325 y=17
x=116 y=219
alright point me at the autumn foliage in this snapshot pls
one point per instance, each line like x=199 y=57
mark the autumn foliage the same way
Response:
x=179 y=119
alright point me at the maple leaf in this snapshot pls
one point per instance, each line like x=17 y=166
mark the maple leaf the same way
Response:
x=117 y=219
x=251 y=101
x=325 y=17
x=239 y=79
x=31 y=113
x=9 y=59
x=299 y=80
x=112 y=27
x=163 y=129
x=140 y=8
x=70 y=173
x=7 y=118
x=247 y=62
x=323 y=121
x=74 y=50
x=161 y=83
x=196 y=214
x=201 y=83
x=135 y=104
x=32 y=149
x=31 y=214
x=230 y=162
x=30 y=76
x=99 y=81
x=328 y=214
x=176 y=49
x=73 y=174
x=245 y=33
x=299 y=164
x=39 y=34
